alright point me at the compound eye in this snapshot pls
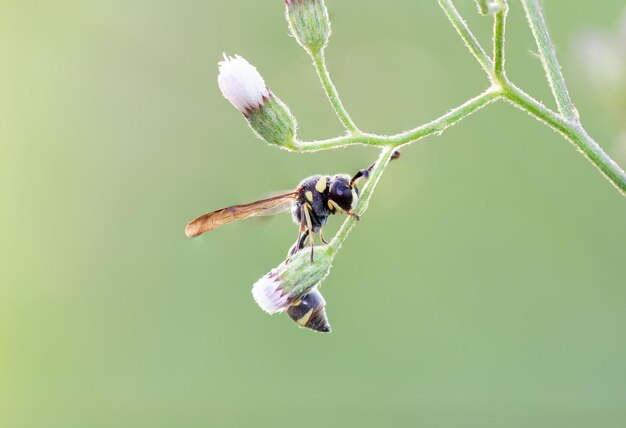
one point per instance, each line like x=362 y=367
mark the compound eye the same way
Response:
x=341 y=194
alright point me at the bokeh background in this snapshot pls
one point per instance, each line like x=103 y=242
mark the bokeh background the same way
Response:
x=485 y=287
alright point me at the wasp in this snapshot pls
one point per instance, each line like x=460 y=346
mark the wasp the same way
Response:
x=311 y=204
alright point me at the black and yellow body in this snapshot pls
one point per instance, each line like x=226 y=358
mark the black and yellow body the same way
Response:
x=317 y=198
x=309 y=312
x=313 y=201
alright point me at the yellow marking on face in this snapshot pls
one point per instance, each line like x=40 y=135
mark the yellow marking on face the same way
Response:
x=320 y=186
x=309 y=195
x=332 y=204
x=305 y=319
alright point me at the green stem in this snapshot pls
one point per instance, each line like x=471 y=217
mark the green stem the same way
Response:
x=470 y=41
x=339 y=142
x=566 y=123
x=572 y=131
x=499 y=27
x=483 y=9
x=331 y=92
x=366 y=193
x=436 y=126
x=548 y=59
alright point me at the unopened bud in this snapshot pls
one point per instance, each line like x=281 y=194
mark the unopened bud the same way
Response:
x=268 y=116
x=292 y=287
x=309 y=23
x=486 y=7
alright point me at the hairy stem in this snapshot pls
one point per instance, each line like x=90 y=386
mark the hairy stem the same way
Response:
x=548 y=59
x=567 y=122
x=331 y=92
x=572 y=131
x=433 y=127
x=483 y=8
x=499 y=27
x=366 y=193
x=470 y=41
x=339 y=142
x=453 y=116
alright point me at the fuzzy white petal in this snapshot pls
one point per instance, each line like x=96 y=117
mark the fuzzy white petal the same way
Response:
x=269 y=294
x=241 y=83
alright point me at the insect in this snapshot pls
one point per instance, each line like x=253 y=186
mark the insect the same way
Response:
x=311 y=203
x=309 y=312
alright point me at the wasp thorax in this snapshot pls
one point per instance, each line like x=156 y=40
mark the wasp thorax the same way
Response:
x=309 y=312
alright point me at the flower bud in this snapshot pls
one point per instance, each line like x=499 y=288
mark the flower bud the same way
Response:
x=309 y=23
x=268 y=116
x=292 y=287
x=490 y=7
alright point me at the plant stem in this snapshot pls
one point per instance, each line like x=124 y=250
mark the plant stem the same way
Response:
x=331 y=92
x=483 y=9
x=499 y=27
x=470 y=41
x=434 y=127
x=339 y=142
x=548 y=59
x=453 y=116
x=566 y=122
x=572 y=131
x=366 y=193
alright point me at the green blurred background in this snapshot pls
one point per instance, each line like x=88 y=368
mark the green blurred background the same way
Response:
x=485 y=287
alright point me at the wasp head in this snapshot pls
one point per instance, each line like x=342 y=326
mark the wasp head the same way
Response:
x=342 y=192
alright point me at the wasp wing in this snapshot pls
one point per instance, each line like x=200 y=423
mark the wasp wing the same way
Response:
x=210 y=221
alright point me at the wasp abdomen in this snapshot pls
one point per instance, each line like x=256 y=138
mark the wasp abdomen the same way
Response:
x=309 y=312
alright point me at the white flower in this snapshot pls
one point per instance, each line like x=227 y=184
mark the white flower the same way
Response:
x=269 y=294
x=291 y=280
x=241 y=83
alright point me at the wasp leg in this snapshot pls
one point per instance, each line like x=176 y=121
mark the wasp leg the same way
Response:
x=322 y=237
x=302 y=235
x=350 y=212
x=298 y=245
x=312 y=246
x=353 y=214
x=309 y=225
x=366 y=172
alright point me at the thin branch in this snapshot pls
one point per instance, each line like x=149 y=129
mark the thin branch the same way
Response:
x=436 y=126
x=452 y=117
x=483 y=8
x=331 y=92
x=340 y=142
x=366 y=193
x=548 y=59
x=572 y=131
x=470 y=41
x=499 y=27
